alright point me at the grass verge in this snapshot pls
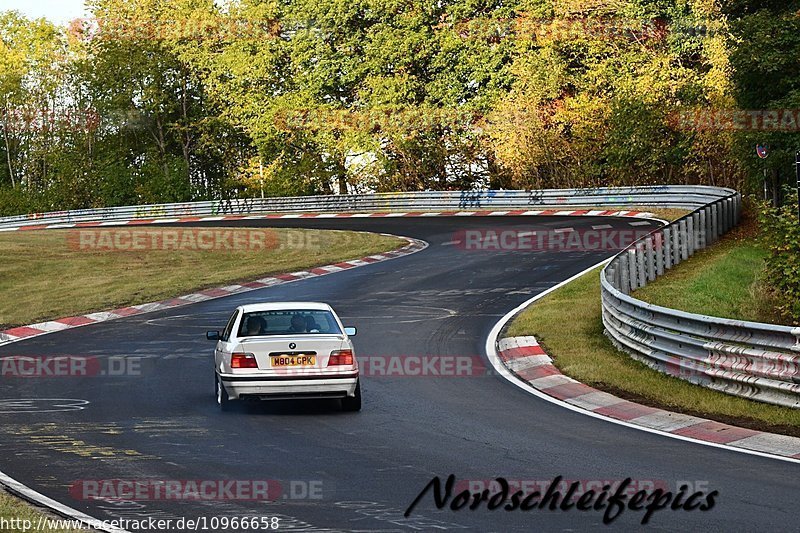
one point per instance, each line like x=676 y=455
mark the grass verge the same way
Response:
x=50 y=274
x=723 y=280
x=16 y=512
x=568 y=324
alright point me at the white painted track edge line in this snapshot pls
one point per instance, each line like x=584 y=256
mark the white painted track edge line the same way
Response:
x=496 y=362
x=15 y=487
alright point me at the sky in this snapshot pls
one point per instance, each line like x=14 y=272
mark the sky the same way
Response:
x=57 y=11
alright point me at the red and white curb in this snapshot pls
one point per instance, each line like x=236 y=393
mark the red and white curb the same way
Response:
x=528 y=361
x=524 y=363
x=42 y=328
x=380 y=214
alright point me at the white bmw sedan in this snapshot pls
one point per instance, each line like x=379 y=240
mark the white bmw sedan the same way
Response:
x=286 y=350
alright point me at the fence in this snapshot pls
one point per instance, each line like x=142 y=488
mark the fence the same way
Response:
x=672 y=196
x=748 y=359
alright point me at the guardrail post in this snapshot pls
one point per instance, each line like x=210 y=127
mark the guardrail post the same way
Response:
x=691 y=242
x=714 y=226
x=632 y=274
x=667 y=247
x=651 y=259
x=725 y=222
x=724 y=217
x=611 y=274
x=659 y=246
x=640 y=265
x=676 y=244
x=701 y=230
x=710 y=225
x=732 y=218
x=624 y=275
x=728 y=215
x=738 y=207
x=684 y=240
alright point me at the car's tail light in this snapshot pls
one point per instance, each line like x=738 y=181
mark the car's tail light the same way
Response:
x=341 y=357
x=243 y=360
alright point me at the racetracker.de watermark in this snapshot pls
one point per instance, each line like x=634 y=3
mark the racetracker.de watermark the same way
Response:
x=191 y=239
x=251 y=490
x=33 y=119
x=775 y=120
x=406 y=366
x=528 y=27
x=576 y=487
x=547 y=240
x=423 y=366
x=373 y=119
x=69 y=366
x=210 y=28
x=782 y=367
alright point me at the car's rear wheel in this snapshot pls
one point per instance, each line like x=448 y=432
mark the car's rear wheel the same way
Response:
x=353 y=403
x=223 y=401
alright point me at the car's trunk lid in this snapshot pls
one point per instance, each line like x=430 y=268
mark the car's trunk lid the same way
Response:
x=286 y=354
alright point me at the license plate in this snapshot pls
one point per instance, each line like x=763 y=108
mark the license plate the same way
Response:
x=293 y=360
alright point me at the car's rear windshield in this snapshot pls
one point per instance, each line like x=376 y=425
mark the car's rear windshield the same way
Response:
x=294 y=322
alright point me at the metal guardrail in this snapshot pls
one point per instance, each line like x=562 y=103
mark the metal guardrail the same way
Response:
x=748 y=359
x=621 y=197
x=758 y=361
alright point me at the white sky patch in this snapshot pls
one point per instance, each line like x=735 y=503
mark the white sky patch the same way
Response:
x=56 y=11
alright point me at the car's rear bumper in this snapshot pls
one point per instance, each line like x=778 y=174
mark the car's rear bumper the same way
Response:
x=289 y=387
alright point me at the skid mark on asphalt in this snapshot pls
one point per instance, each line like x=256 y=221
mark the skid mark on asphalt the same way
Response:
x=126 y=509
x=416 y=313
x=41 y=405
x=386 y=513
x=50 y=436
x=198 y=321
x=455 y=295
x=164 y=427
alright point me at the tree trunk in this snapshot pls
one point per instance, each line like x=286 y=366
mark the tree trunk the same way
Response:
x=8 y=158
x=186 y=143
x=158 y=135
x=341 y=171
x=8 y=149
x=776 y=188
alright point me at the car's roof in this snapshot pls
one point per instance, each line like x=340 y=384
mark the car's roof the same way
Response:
x=285 y=306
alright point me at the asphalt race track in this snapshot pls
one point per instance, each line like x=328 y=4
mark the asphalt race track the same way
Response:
x=363 y=470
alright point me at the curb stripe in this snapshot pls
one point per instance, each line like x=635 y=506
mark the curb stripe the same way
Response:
x=389 y=214
x=548 y=379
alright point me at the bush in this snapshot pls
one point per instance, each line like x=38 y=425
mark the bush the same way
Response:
x=781 y=235
x=17 y=201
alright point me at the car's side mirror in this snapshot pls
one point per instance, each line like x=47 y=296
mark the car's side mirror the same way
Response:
x=212 y=335
x=350 y=332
